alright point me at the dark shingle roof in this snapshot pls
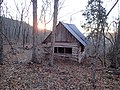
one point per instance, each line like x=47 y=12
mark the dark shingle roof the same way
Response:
x=76 y=33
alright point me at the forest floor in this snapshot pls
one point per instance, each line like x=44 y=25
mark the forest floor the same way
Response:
x=17 y=74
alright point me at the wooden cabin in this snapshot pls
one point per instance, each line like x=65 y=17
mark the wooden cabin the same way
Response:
x=69 y=41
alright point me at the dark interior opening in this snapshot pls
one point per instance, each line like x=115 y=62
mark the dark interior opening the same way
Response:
x=55 y=50
x=82 y=48
x=68 y=50
x=60 y=50
x=63 y=50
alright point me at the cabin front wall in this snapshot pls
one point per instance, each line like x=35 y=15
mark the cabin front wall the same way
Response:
x=73 y=50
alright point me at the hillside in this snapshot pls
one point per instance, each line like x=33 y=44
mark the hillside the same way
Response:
x=16 y=30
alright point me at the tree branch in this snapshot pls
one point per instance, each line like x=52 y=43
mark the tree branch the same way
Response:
x=112 y=7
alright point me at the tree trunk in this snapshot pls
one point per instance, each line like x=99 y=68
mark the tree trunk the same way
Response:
x=34 y=56
x=1 y=37
x=20 y=27
x=1 y=42
x=24 y=33
x=115 y=62
x=53 y=32
x=118 y=47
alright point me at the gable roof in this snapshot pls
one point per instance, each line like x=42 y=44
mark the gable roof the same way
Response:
x=76 y=33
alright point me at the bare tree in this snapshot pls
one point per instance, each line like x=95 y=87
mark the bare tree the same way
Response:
x=23 y=14
x=118 y=47
x=34 y=56
x=1 y=36
x=45 y=16
x=115 y=51
x=53 y=32
x=21 y=18
x=115 y=60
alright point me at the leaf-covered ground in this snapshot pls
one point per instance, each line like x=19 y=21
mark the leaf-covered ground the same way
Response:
x=17 y=74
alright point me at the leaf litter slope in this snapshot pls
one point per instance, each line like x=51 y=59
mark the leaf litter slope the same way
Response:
x=17 y=74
